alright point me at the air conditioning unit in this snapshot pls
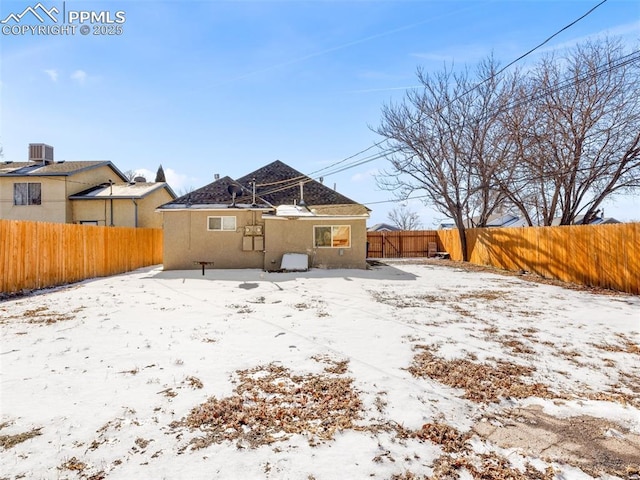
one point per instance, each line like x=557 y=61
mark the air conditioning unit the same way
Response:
x=40 y=152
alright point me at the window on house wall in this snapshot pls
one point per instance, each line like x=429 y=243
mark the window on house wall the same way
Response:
x=221 y=224
x=27 y=194
x=332 y=236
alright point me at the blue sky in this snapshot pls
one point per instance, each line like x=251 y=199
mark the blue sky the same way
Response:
x=205 y=87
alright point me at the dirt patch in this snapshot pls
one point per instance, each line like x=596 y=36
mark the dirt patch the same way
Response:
x=626 y=346
x=444 y=435
x=271 y=403
x=487 y=466
x=482 y=382
x=8 y=441
x=42 y=316
x=594 y=445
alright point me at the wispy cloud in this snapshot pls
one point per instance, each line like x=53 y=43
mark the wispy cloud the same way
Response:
x=79 y=76
x=53 y=74
x=461 y=54
x=630 y=31
x=364 y=176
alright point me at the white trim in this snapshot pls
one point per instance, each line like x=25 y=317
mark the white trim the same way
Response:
x=318 y=218
x=222 y=223
x=331 y=227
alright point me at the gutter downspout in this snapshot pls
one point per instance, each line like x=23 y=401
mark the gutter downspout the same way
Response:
x=111 y=201
x=135 y=212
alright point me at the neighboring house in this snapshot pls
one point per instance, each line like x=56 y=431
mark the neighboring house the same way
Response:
x=92 y=192
x=252 y=222
x=383 y=227
x=597 y=218
x=497 y=220
x=130 y=204
x=511 y=220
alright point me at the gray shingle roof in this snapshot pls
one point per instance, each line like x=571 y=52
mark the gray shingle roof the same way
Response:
x=121 y=190
x=216 y=193
x=276 y=184
x=37 y=169
x=279 y=184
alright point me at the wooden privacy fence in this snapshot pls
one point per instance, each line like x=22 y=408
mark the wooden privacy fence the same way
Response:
x=401 y=244
x=605 y=256
x=38 y=254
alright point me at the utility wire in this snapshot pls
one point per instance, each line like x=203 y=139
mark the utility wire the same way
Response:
x=491 y=77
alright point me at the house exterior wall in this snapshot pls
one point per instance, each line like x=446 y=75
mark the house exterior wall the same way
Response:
x=53 y=200
x=147 y=215
x=124 y=210
x=187 y=240
x=283 y=235
x=91 y=211
x=55 y=191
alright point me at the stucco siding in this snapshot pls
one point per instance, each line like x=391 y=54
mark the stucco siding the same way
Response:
x=52 y=195
x=147 y=215
x=284 y=235
x=55 y=190
x=188 y=240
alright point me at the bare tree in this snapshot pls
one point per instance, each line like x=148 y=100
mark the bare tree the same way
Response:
x=444 y=142
x=404 y=218
x=577 y=128
x=130 y=175
x=186 y=190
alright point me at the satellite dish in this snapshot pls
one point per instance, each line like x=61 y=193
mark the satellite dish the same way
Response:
x=234 y=190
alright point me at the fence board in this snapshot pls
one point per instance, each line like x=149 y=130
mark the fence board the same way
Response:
x=38 y=254
x=400 y=244
x=597 y=255
x=605 y=256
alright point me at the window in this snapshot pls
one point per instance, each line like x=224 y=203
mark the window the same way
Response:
x=332 y=236
x=226 y=224
x=26 y=194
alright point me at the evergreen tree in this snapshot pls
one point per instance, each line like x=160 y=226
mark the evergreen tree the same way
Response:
x=160 y=175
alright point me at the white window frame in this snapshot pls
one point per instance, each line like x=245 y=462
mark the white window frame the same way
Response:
x=225 y=220
x=332 y=230
x=29 y=197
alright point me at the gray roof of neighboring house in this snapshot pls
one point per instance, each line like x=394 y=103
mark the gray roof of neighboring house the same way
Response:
x=39 y=169
x=596 y=220
x=276 y=184
x=122 y=190
x=383 y=227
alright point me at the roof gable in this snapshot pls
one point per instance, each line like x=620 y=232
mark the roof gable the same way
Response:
x=279 y=184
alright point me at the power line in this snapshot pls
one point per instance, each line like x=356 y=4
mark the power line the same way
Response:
x=491 y=77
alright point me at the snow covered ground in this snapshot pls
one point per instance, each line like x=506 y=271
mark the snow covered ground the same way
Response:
x=406 y=370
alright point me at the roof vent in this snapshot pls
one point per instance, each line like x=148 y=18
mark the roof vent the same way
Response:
x=40 y=152
x=139 y=180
